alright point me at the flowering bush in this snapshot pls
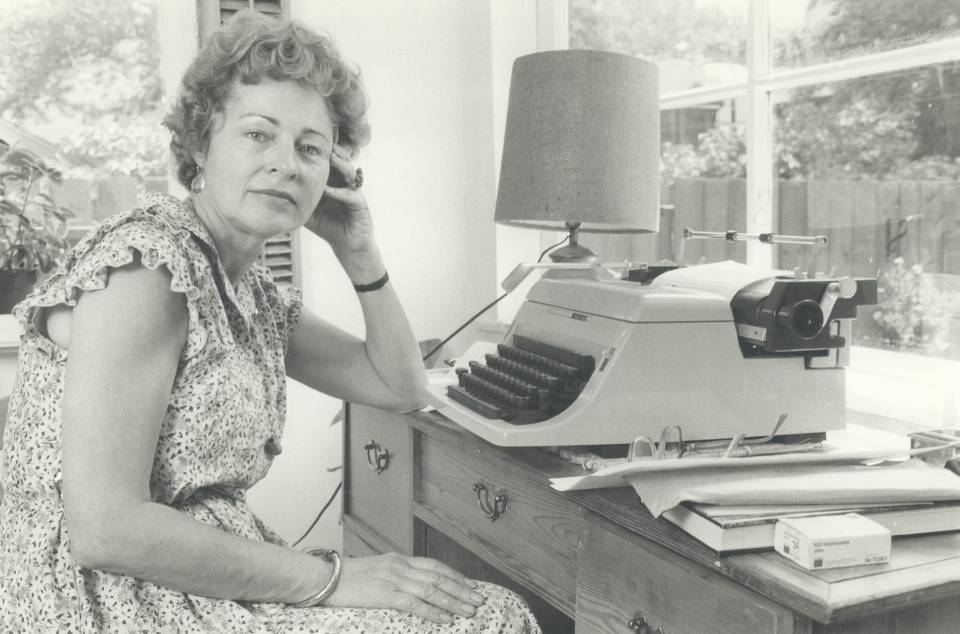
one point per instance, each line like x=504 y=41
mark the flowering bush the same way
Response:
x=720 y=153
x=911 y=312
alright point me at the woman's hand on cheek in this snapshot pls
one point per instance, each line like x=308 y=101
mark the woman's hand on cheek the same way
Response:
x=342 y=217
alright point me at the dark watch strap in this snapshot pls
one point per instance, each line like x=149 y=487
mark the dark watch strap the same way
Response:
x=372 y=286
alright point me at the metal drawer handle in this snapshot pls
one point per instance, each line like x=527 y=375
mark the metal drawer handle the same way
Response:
x=495 y=510
x=377 y=458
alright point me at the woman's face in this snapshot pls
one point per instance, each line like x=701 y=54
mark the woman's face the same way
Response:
x=268 y=159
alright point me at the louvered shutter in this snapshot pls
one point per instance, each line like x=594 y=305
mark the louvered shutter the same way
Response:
x=281 y=253
x=274 y=7
x=213 y=13
x=280 y=256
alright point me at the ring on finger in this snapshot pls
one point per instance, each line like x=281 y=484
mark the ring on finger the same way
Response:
x=358 y=179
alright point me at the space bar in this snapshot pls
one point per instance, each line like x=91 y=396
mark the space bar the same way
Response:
x=478 y=405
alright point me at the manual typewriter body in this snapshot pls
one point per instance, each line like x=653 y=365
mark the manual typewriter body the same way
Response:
x=662 y=355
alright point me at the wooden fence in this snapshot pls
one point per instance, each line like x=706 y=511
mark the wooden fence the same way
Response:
x=867 y=223
x=94 y=200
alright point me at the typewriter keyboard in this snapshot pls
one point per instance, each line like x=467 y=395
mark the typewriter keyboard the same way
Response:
x=527 y=382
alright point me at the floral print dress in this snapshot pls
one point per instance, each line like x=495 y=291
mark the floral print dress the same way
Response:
x=219 y=436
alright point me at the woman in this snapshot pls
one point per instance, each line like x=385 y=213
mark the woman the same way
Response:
x=150 y=393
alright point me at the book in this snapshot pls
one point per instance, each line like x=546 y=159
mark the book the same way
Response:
x=754 y=530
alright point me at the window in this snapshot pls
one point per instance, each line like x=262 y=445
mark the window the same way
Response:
x=807 y=33
x=80 y=87
x=837 y=118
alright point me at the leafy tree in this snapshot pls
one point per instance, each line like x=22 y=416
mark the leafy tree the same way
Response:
x=897 y=126
x=670 y=28
x=94 y=63
x=871 y=26
x=845 y=134
x=876 y=127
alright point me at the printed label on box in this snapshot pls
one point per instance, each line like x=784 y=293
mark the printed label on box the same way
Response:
x=832 y=541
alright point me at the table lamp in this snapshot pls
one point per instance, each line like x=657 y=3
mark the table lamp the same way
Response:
x=581 y=150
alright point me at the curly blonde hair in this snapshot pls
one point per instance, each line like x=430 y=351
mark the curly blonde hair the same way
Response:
x=248 y=48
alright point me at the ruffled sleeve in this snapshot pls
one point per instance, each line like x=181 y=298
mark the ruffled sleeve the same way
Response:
x=113 y=244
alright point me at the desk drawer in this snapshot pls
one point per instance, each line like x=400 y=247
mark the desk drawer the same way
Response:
x=625 y=577
x=378 y=471
x=535 y=535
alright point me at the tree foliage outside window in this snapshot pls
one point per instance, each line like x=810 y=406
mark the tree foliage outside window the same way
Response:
x=860 y=27
x=673 y=29
x=901 y=126
x=85 y=76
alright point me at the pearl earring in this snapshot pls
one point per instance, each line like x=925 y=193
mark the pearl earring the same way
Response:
x=198 y=182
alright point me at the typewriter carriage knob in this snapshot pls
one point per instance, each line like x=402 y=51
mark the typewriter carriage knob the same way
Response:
x=804 y=319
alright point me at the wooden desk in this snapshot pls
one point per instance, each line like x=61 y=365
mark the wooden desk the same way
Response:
x=596 y=561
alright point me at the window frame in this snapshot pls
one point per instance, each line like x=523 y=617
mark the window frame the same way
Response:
x=879 y=381
x=762 y=81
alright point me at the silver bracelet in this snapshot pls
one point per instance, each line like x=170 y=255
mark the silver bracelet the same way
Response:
x=333 y=557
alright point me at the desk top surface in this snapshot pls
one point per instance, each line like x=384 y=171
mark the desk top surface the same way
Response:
x=922 y=568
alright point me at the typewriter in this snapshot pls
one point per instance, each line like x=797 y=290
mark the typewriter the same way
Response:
x=718 y=349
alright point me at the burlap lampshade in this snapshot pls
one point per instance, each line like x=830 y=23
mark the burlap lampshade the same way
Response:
x=582 y=143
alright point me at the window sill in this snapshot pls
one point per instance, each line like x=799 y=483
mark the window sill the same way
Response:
x=9 y=333
x=902 y=391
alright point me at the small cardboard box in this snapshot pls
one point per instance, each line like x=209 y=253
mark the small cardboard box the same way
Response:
x=832 y=541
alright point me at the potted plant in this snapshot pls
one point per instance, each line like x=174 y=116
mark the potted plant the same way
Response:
x=33 y=227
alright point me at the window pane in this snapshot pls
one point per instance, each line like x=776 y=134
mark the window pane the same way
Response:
x=873 y=165
x=805 y=32
x=87 y=101
x=703 y=180
x=695 y=43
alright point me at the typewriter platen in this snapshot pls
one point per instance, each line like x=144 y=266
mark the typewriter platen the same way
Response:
x=718 y=349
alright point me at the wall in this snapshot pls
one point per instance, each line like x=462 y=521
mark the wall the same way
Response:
x=430 y=182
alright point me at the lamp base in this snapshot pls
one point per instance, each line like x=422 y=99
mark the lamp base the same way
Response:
x=574 y=251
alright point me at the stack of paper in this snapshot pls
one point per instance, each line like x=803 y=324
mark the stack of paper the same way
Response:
x=733 y=503
x=754 y=529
